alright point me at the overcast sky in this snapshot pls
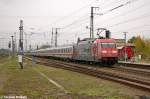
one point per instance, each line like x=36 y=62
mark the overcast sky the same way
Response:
x=72 y=16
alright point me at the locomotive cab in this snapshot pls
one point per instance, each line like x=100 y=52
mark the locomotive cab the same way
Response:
x=108 y=50
x=105 y=50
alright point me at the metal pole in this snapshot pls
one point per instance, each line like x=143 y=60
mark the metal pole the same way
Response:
x=12 y=46
x=25 y=42
x=52 y=38
x=15 y=47
x=56 y=34
x=20 y=56
x=9 y=46
x=92 y=22
x=56 y=38
x=125 y=54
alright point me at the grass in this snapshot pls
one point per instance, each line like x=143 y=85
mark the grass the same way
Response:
x=84 y=85
x=28 y=82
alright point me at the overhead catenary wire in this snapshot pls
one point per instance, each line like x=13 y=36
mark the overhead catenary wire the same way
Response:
x=114 y=8
x=138 y=27
x=75 y=22
x=145 y=15
x=74 y=12
x=128 y=20
x=84 y=21
x=119 y=6
x=133 y=10
x=134 y=28
x=77 y=11
x=109 y=3
x=120 y=31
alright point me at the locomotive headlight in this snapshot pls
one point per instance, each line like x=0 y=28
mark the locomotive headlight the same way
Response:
x=114 y=51
x=104 y=51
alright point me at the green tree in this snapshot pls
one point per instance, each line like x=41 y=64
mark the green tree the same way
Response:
x=132 y=40
x=45 y=46
x=146 y=50
x=4 y=52
x=139 y=45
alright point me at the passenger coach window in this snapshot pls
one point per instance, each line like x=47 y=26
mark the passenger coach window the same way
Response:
x=108 y=45
x=67 y=50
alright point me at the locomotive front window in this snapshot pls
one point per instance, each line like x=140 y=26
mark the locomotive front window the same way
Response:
x=108 y=45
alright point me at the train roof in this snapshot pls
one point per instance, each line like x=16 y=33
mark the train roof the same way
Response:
x=96 y=40
x=86 y=40
x=104 y=40
x=46 y=49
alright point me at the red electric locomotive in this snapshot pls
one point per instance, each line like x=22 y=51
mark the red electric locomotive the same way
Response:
x=96 y=50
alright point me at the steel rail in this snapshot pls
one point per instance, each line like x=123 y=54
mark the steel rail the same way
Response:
x=135 y=65
x=137 y=83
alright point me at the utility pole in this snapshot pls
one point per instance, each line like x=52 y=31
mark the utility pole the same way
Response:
x=37 y=47
x=52 y=38
x=9 y=46
x=125 y=44
x=21 y=37
x=56 y=34
x=15 y=44
x=26 y=41
x=30 y=47
x=20 y=56
x=12 y=46
x=92 y=22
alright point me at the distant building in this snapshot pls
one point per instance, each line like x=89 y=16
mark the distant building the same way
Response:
x=121 y=49
x=121 y=42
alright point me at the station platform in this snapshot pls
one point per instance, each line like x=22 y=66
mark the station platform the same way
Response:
x=134 y=63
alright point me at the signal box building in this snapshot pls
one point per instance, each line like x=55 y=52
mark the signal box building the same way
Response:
x=121 y=49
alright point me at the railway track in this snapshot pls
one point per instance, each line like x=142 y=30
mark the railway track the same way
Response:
x=134 y=71
x=135 y=65
x=96 y=72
